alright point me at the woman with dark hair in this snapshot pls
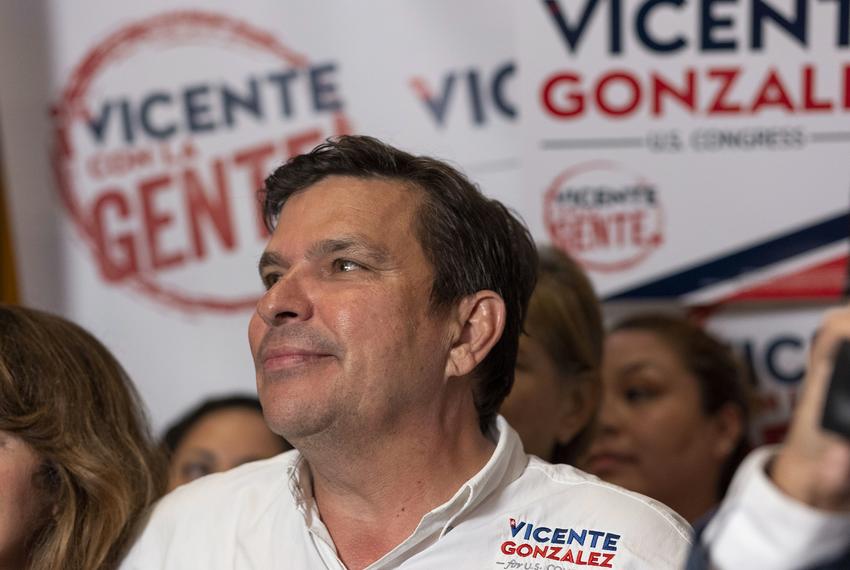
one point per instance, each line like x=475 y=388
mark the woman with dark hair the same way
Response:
x=556 y=386
x=674 y=414
x=217 y=435
x=77 y=465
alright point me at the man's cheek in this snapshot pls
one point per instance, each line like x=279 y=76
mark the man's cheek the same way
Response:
x=256 y=331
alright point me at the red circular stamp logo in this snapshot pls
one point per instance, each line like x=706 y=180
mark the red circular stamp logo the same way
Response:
x=163 y=134
x=607 y=217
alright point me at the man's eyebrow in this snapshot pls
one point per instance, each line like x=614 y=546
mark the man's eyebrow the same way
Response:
x=353 y=244
x=270 y=258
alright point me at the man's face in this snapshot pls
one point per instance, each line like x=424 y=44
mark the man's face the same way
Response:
x=344 y=337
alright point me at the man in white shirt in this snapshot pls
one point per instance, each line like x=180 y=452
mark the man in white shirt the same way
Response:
x=384 y=344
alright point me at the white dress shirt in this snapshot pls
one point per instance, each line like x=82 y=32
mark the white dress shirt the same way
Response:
x=518 y=512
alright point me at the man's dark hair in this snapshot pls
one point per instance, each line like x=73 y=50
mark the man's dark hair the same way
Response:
x=472 y=242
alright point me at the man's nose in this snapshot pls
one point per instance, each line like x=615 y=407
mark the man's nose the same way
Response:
x=285 y=301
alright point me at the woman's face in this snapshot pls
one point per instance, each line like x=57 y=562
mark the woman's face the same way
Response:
x=20 y=502
x=219 y=441
x=541 y=407
x=653 y=436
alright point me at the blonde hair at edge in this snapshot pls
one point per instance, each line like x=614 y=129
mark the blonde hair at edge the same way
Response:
x=65 y=395
x=565 y=318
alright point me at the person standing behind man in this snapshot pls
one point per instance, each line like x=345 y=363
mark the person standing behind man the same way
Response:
x=384 y=344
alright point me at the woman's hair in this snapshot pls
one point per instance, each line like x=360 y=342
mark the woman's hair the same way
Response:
x=175 y=434
x=720 y=376
x=64 y=394
x=565 y=318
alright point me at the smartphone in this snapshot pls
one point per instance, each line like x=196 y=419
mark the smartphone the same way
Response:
x=836 y=410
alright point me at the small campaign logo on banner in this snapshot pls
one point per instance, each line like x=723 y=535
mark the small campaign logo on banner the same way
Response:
x=607 y=217
x=165 y=132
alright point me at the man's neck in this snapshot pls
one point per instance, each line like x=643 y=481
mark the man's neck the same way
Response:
x=373 y=497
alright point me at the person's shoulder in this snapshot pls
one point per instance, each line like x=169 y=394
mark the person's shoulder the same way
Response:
x=608 y=496
x=650 y=530
x=203 y=518
x=226 y=490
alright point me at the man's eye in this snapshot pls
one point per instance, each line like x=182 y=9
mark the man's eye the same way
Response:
x=346 y=265
x=270 y=279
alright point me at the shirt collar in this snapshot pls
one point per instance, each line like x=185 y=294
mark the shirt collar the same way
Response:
x=505 y=465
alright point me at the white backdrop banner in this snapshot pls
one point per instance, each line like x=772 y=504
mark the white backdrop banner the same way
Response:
x=678 y=149
x=691 y=149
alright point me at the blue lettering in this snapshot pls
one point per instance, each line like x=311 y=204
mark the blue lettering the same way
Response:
x=281 y=81
x=595 y=534
x=558 y=537
x=796 y=28
x=709 y=23
x=475 y=97
x=97 y=125
x=325 y=96
x=250 y=102
x=127 y=122
x=198 y=109
x=772 y=364
x=155 y=98
x=439 y=105
x=643 y=33
x=498 y=90
x=516 y=528
x=571 y=35
x=577 y=537
x=539 y=531
x=610 y=542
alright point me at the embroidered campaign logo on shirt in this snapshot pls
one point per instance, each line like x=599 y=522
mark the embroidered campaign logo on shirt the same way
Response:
x=531 y=542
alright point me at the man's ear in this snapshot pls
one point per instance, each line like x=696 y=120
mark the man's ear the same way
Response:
x=481 y=320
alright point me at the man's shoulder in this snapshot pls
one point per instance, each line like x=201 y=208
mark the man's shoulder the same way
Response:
x=564 y=508
x=243 y=487
x=578 y=489
x=204 y=520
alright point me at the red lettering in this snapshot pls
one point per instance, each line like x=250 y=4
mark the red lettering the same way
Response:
x=727 y=77
x=508 y=547
x=593 y=560
x=255 y=159
x=686 y=96
x=810 y=102
x=303 y=142
x=574 y=100
x=600 y=231
x=118 y=163
x=631 y=102
x=215 y=209
x=636 y=226
x=156 y=221
x=524 y=550
x=607 y=557
x=111 y=268
x=579 y=561
x=540 y=551
x=553 y=552
x=772 y=93
x=568 y=557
